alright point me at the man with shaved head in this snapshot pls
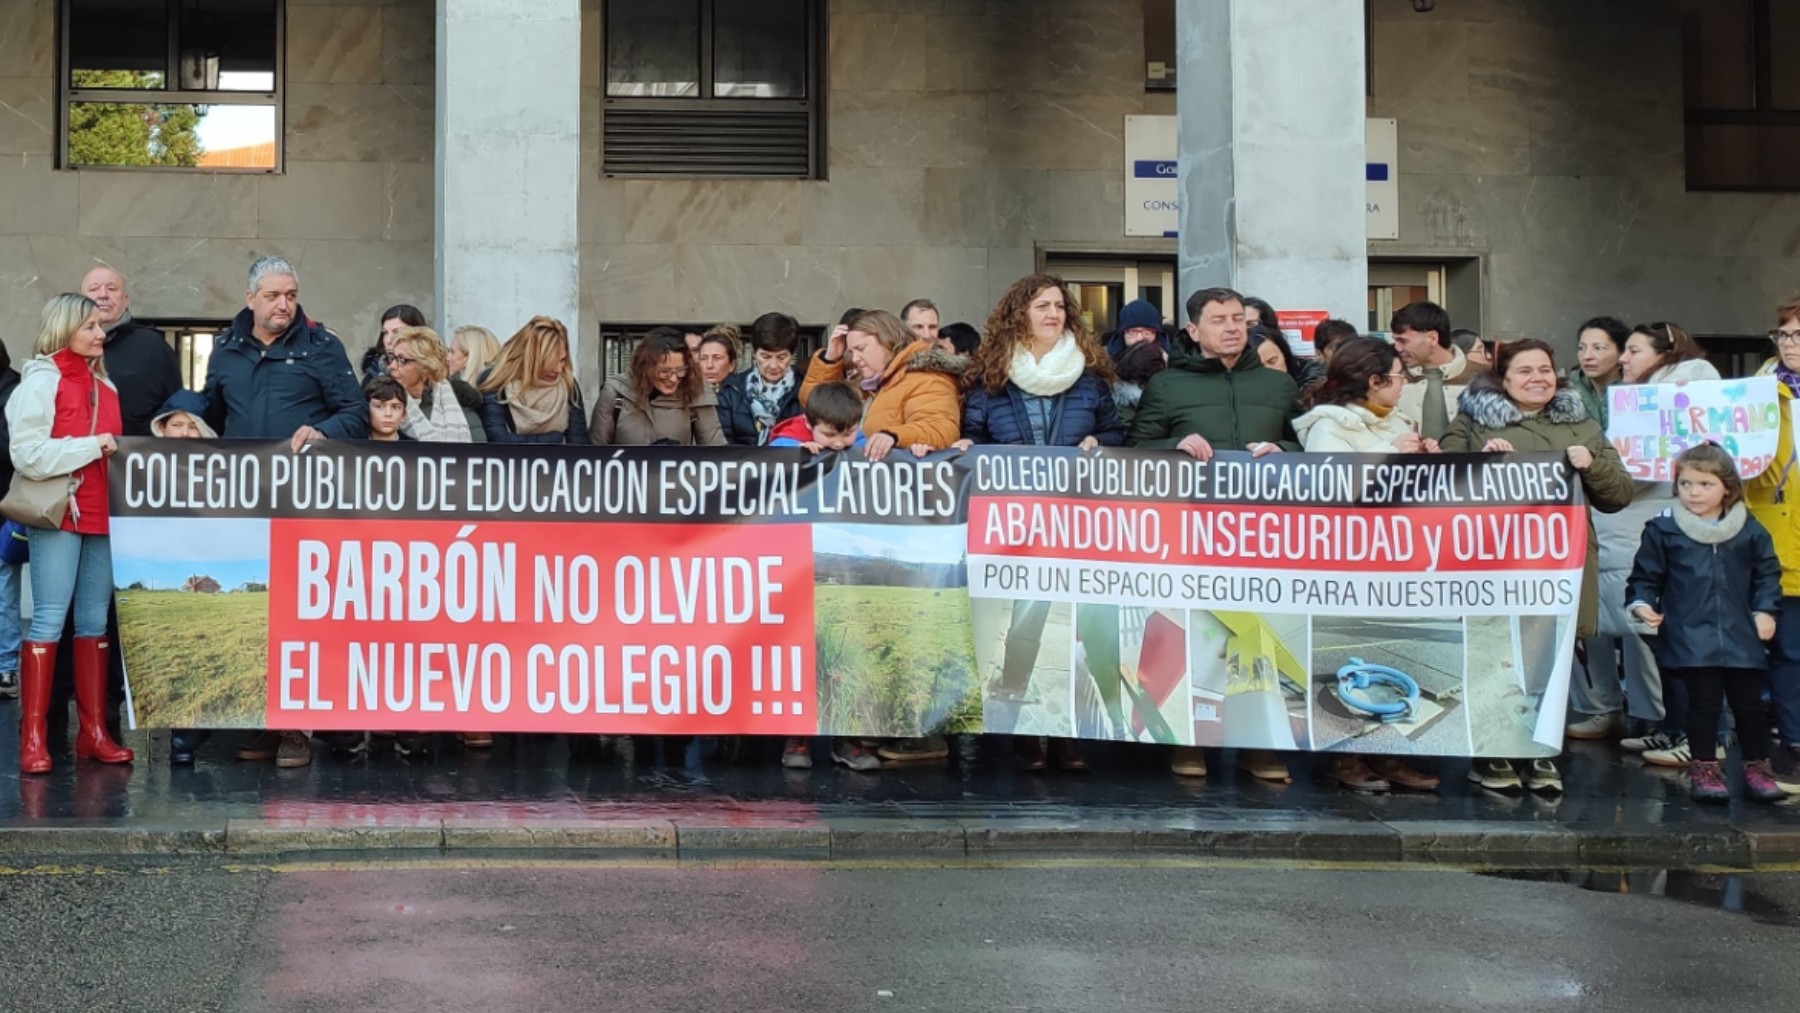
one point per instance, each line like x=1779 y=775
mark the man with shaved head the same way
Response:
x=139 y=361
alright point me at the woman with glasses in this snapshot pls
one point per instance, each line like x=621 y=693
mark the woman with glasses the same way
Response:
x=662 y=401
x=1769 y=496
x=393 y=320
x=1654 y=353
x=434 y=414
x=1358 y=412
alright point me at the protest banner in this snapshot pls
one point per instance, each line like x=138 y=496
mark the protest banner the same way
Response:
x=1118 y=594
x=1651 y=424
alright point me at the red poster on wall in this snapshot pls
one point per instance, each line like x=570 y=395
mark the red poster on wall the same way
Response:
x=1298 y=326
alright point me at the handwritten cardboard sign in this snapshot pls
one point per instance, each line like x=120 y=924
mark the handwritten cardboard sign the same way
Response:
x=1652 y=424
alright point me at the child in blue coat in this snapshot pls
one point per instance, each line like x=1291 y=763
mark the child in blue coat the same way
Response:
x=1707 y=580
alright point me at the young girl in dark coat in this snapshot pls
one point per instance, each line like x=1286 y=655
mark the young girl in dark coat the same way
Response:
x=1708 y=582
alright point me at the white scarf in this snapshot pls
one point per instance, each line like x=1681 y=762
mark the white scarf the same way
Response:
x=1049 y=376
x=444 y=423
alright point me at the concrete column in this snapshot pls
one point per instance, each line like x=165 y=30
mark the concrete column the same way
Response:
x=1271 y=103
x=508 y=163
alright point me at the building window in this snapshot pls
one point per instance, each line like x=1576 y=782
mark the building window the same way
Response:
x=1742 y=94
x=171 y=84
x=713 y=88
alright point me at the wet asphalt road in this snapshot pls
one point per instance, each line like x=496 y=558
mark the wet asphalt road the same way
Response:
x=445 y=936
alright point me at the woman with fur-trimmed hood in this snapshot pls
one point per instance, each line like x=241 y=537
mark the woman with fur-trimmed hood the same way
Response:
x=1521 y=405
x=911 y=389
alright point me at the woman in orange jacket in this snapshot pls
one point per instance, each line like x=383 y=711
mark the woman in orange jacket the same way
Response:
x=912 y=391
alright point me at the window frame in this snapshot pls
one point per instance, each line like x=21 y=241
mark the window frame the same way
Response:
x=1762 y=112
x=67 y=94
x=813 y=104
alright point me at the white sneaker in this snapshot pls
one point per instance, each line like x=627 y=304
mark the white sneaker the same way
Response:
x=1657 y=739
x=1677 y=754
x=1544 y=777
x=1494 y=775
x=1597 y=726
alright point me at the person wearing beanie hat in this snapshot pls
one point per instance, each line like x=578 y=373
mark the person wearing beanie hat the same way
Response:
x=1139 y=321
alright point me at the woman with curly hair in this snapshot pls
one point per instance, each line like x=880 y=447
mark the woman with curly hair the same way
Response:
x=1039 y=378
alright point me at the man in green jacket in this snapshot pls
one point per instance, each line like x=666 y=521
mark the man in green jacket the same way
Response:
x=1214 y=395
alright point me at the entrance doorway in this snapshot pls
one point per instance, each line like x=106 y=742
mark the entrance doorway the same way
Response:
x=1392 y=286
x=1103 y=287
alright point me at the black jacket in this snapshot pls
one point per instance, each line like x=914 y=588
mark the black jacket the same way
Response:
x=302 y=379
x=144 y=368
x=372 y=366
x=1708 y=580
x=1085 y=409
x=735 y=416
x=9 y=381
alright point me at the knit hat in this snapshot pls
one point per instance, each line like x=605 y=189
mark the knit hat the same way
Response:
x=1139 y=313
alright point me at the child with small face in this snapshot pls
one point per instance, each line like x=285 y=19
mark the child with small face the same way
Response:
x=832 y=421
x=387 y=408
x=182 y=417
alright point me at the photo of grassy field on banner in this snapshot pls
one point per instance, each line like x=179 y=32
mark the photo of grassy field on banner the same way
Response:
x=891 y=608
x=193 y=598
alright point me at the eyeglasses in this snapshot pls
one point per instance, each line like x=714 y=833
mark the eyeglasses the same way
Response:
x=1785 y=338
x=672 y=374
x=398 y=360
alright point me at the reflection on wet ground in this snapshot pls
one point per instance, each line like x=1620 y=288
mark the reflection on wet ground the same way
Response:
x=552 y=776
x=1737 y=893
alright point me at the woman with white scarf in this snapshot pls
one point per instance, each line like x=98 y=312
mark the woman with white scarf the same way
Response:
x=1039 y=378
x=529 y=395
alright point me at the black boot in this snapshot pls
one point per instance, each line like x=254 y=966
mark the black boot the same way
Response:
x=182 y=743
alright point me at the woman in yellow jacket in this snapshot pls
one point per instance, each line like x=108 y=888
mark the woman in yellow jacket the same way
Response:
x=912 y=391
x=1770 y=497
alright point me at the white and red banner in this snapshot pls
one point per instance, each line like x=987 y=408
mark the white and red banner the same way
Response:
x=1419 y=604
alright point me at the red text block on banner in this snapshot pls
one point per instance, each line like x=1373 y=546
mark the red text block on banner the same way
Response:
x=541 y=627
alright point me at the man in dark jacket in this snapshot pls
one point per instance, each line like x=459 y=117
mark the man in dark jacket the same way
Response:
x=276 y=374
x=139 y=360
x=1214 y=396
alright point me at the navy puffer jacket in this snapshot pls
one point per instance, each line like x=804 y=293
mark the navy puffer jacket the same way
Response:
x=738 y=420
x=1708 y=580
x=1085 y=409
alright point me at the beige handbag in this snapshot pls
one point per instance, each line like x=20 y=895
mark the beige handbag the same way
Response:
x=44 y=502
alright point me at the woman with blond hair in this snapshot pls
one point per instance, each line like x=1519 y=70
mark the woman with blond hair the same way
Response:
x=433 y=412
x=530 y=395
x=472 y=350
x=910 y=388
x=64 y=422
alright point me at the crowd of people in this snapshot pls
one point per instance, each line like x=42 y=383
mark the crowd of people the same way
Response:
x=1690 y=600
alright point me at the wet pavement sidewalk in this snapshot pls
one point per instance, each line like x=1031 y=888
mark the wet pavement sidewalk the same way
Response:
x=662 y=801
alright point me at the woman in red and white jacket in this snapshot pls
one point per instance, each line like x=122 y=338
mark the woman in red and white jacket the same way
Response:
x=64 y=419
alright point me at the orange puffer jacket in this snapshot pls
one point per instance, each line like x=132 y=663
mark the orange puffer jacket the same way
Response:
x=919 y=400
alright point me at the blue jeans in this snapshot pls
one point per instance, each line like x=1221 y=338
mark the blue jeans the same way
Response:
x=10 y=620
x=1784 y=672
x=69 y=571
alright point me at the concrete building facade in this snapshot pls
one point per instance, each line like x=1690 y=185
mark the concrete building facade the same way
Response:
x=1543 y=163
